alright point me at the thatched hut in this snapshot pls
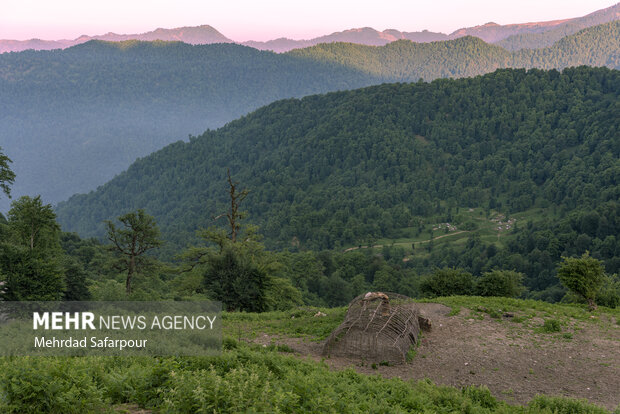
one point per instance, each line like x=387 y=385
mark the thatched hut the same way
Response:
x=378 y=327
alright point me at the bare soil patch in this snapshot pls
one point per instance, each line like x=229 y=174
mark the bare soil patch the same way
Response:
x=513 y=359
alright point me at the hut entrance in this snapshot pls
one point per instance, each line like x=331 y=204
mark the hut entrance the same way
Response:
x=378 y=327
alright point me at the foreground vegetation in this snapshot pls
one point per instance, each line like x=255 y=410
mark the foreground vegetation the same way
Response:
x=243 y=379
x=254 y=378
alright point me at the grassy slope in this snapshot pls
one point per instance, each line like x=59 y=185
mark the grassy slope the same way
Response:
x=249 y=377
x=518 y=348
x=302 y=323
x=485 y=227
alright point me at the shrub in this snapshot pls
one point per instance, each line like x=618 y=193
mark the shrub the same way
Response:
x=551 y=325
x=552 y=294
x=108 y=290
x=237 y=281
x=482 y=396
x=244 y=379
x=500 y=283
x=609 y=293
x=49 y=385
x=447 y=282
x=281 y=294
x=583 y=276
x=558 y=405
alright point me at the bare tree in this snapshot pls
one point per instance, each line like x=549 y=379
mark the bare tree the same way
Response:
x=234 y=216
x=139 y=234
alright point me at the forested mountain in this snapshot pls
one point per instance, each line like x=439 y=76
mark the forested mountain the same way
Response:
x=540 y=34
x=467 y=56
x=594 y=46
x=344 y=168
x=72 y=119
x=535 y=39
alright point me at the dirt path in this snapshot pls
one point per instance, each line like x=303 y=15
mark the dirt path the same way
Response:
x=510 y=358
x=377 y=246
x=441 y=237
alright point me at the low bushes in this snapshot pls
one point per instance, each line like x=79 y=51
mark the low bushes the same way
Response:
x=455 y=282
x=241 y=379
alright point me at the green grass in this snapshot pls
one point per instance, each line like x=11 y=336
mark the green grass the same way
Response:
x=295 y=323
x=528 y=308
x=486 y=229
x=244 y=378
x=411 y=354
x=248 y=377
x=551 y=326
x=302 y=323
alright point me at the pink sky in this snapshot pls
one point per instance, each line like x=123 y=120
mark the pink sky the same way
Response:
x=262 y=20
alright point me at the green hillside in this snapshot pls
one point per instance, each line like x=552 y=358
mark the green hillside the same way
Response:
x=408 y=61
x=594 y=46
x=470 y=56
x=348 y=168
x=545 y=38
x=72 y=119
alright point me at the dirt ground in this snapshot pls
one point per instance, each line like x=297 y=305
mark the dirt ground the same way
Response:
x=512 y=359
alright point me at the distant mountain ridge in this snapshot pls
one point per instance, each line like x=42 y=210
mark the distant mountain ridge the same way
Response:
x=511 y=36
x=193 y=35
x=365 y=36
x=406 y=61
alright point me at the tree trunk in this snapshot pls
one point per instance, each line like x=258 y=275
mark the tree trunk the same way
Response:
x=130 y=272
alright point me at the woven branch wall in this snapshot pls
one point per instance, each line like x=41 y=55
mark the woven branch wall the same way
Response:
x=377 y=327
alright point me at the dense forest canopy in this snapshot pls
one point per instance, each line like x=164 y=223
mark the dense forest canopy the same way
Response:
x=72 y=119
x=346 y=168
x=469 y=56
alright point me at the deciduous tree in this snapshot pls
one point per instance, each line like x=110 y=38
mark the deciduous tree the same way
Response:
x=583 y=276
x=29 y=256
x=33 y=224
